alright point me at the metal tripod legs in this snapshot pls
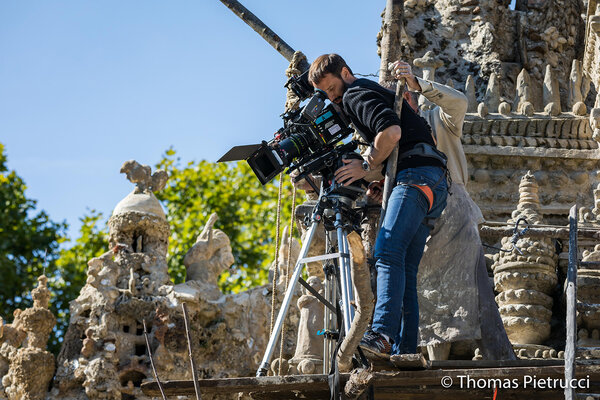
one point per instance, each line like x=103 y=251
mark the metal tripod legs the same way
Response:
x=345 y=282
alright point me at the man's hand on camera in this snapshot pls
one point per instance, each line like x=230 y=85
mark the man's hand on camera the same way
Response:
x=375 y=191
x=352 y=171
x=402 y=70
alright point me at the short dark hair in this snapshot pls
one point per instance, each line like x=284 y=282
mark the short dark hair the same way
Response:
x=326 y=64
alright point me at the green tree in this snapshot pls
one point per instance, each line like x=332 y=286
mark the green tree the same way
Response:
x=247 y=214
x=28 y=242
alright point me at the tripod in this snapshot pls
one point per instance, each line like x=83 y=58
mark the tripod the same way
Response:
x=334 y=208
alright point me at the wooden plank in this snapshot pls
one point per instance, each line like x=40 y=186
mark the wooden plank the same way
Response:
x=449 y=394
x=245 y=384
x=395 y=379
x=460 y=364
x=571 y=284
x=434 y=392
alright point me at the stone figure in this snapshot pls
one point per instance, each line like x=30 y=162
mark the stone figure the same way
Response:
x=141 y=176
x=209 y=256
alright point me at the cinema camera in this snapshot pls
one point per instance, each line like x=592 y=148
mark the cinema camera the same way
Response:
x=308 y=141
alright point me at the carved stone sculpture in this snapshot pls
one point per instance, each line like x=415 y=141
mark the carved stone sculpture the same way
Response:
x=23 y=349
x=551 y=94
x=123 y=288
x=523 y=101
x=308 y=358
x=525 y=277
x=429 y=63
x=492 y=93
x=205 y=261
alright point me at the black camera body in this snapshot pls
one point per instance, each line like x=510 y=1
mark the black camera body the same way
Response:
x=309 y=140
x=307 y=132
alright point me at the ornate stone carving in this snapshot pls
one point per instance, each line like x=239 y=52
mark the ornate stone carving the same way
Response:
x=205 y=261
x=526 y=277
x=308 y=358
x=26 y=368
x=429 y=63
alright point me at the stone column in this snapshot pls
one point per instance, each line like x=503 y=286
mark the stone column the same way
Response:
x=308 y=358
x=526 y=278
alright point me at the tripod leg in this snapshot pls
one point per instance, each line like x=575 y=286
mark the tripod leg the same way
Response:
x=345 y=275
x=293 y=282
x=327 y=314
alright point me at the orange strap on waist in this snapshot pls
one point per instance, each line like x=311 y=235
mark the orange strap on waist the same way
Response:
x=427 y=192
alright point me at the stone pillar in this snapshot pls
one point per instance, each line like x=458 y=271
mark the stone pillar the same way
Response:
x=523 y=100
x=308 y=358
x=471 y=94
x=551 y=94
x=492 y=94
x=526 y=278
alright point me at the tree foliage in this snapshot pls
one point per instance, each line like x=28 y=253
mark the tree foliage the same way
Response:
x=28 y=242
x=247 y=214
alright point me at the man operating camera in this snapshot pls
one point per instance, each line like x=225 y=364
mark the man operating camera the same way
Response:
x=417 y=199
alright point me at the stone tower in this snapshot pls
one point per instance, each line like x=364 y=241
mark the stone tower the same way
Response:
x=104 y=355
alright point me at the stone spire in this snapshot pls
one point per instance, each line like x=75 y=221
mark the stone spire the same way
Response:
x=470 y=93
x=523 y=100
x=525 y=276
x=492 y=93
x=551 y=94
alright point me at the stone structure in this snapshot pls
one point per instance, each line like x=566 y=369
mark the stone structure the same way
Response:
x=104 y=354
x=308 y=357
x=505 y=61
x=26 y=368
x=481 y=37
x=525 y=275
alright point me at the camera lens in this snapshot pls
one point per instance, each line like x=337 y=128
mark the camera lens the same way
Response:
x=295 y=145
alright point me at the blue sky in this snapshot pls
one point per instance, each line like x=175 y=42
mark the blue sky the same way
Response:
x=86 y=85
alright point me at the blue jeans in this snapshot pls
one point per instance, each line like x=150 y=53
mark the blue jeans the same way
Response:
x=398 y=251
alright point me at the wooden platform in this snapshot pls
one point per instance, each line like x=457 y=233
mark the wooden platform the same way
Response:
x=407 y=384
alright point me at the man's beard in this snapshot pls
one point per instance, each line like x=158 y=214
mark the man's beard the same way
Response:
x=338 y=99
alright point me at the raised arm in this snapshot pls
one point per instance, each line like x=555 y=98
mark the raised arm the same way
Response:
x=453 y=104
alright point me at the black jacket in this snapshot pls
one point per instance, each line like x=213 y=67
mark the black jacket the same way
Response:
x=371 y=109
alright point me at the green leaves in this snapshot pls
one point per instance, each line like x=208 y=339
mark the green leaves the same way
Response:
x=28 y=242
x=246 y=209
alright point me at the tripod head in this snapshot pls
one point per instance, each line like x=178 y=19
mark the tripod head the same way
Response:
x=325 y=166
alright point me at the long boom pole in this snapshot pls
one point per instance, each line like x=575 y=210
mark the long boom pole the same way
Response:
x=263 y=30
